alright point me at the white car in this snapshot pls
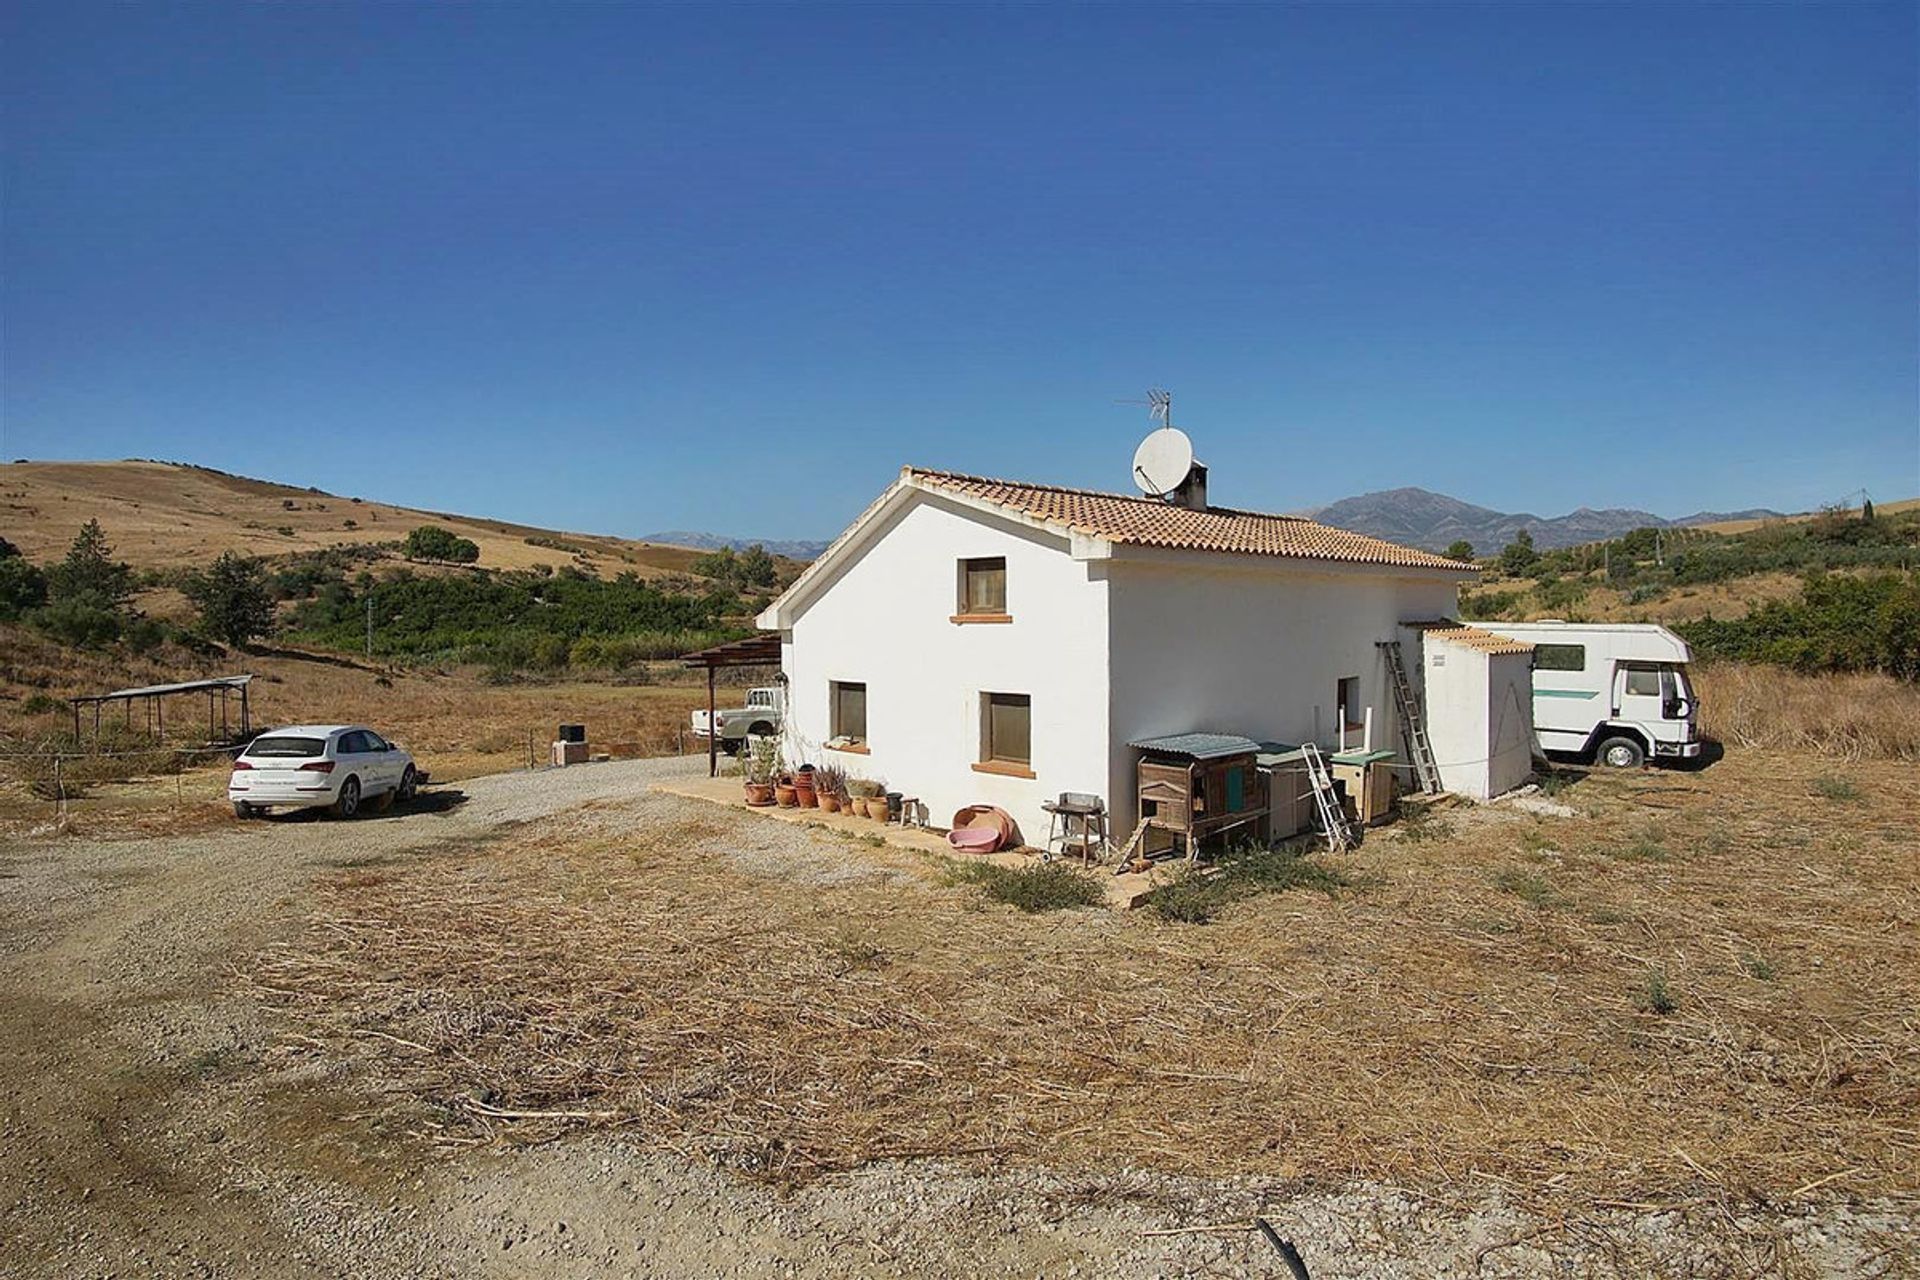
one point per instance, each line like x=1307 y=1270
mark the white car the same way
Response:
x=319 y=766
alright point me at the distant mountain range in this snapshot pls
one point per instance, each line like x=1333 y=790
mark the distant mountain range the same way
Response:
x=1412 y=517
x=1420 y=518
x=793 y=548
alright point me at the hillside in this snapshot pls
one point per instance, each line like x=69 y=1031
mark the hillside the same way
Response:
x=1421 y=518
x=163 y=515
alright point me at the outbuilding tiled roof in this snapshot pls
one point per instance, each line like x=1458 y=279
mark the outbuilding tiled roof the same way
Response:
x=1149 y=522
x=1471 y=637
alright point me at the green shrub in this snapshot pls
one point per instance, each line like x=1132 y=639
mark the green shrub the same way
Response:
x=1044 y=886
x=431 y=542
x=1195 y=896
x=1835 y=789
x=233 y=598
x=1529 y=886
x=1489 y=606
x=79 y=624
x=1836 y=623
x=1654 y=996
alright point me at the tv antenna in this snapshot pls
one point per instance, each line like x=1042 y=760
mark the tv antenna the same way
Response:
x=1158 y=404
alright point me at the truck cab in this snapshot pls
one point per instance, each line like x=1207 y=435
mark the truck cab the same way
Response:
x=760 y=716
x=1617 y=692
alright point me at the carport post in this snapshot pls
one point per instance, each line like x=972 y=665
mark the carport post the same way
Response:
x=713 y=730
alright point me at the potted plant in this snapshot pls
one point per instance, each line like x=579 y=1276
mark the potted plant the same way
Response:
x=861 y=791
x=830 y=786
x=762 y=767
x=806 y=786
x=785 y=794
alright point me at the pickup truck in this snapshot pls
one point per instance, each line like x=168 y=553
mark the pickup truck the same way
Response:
x=760 y=716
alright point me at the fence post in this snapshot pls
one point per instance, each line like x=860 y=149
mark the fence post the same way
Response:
x=59 y=787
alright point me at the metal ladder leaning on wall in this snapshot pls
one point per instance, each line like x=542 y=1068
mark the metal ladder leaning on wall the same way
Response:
x=1413 y=726
x=1326 y=801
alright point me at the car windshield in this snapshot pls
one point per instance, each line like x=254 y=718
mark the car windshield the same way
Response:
x=286 y=748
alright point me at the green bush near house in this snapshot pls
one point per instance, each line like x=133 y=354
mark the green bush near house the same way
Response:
x=1044 y=886
x=1196 y=896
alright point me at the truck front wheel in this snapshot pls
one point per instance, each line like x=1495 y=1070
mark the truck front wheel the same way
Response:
x=1621 y=753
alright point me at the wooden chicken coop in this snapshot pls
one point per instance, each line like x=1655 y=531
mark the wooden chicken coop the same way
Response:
x=1195 y=787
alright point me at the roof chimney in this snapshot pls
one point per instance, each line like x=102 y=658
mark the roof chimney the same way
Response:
x=1192 y=492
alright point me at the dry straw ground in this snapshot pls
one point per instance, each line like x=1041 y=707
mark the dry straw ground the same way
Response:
x=1698 y=991
x=1848 y=717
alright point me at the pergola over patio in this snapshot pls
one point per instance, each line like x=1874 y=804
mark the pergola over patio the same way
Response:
x=218 y=690
x=761 y=650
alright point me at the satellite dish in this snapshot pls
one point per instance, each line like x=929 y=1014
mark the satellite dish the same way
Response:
x=1163 y=461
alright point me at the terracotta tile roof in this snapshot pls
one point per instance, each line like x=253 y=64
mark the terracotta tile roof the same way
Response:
x=1149 y=522
x=1472 y=637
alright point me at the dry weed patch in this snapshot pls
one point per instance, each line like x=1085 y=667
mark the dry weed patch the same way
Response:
x=1736 y=1022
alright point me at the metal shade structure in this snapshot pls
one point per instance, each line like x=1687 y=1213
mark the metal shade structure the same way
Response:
x=759 y=650
x=218 y=690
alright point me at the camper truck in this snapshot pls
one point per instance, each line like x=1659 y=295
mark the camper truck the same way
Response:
x=1618 y=692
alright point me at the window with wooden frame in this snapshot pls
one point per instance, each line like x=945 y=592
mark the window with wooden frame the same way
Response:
x=1006 y=734
x=983 y=590
x=849 y=698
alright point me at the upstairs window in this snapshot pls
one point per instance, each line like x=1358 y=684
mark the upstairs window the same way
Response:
x=1559 y=657
x=983 y=587
x=850 y=711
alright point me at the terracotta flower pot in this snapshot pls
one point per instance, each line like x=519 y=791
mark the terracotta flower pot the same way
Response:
x=803 y=787
x=786 y=795
x=760 y=794
x=829 y=804
x=877 y=808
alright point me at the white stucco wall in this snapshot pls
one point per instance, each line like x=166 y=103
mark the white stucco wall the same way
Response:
x=1250 y=645
x=883 y=617
x=1510 y=718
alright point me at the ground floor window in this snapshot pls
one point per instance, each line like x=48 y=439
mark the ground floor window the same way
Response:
x=1347 y=699
x=1007 y=729
x=850 y=710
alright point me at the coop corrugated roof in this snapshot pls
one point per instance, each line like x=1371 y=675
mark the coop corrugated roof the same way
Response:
x=1149 y=522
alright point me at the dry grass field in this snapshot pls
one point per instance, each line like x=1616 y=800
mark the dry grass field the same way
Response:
x=457 y=724
x=1846 y=717
x=165 y=516
x=1748 y=526
x=1696 y=994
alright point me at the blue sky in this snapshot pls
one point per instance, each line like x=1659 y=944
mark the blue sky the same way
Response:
x=620 y=268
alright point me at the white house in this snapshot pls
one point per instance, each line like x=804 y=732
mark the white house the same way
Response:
x=976 y=641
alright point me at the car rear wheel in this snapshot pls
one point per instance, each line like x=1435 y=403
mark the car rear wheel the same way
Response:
x=1621 y=753
x=760 y=729
x=409 y=783
x=347 y=803
x=241 y=809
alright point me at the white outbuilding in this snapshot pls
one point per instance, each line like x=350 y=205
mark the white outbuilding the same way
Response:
x=1479 y=706
x=978 y=641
